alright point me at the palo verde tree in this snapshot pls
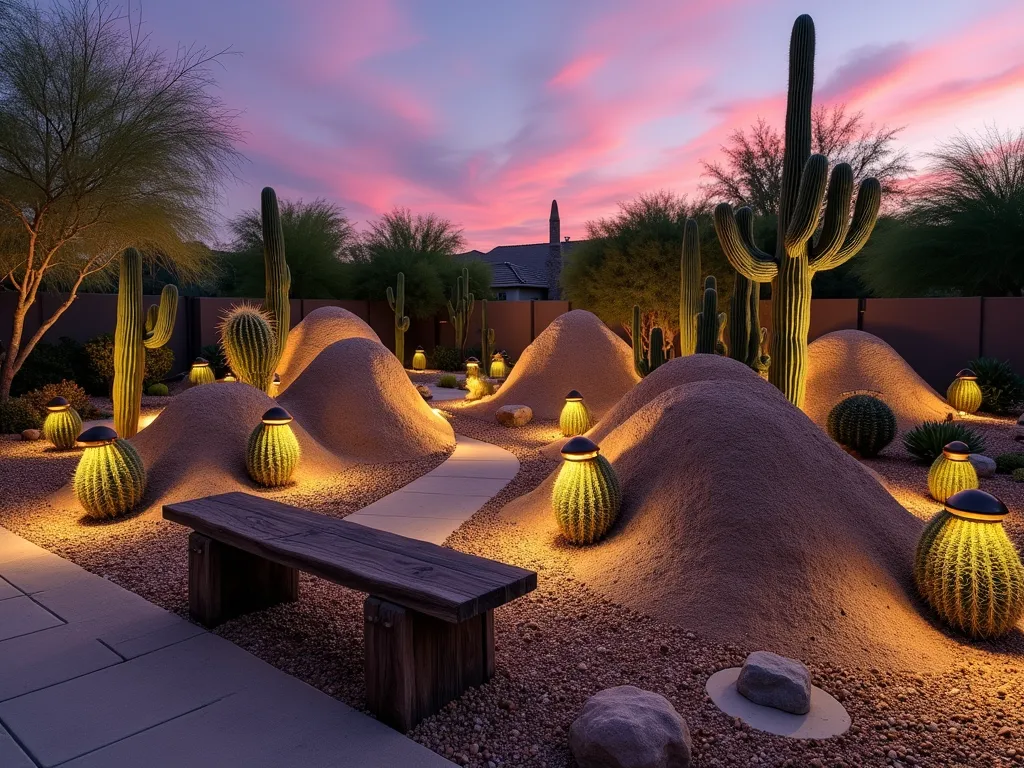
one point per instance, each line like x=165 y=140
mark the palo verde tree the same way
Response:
x=806 y=186
x=105 y=142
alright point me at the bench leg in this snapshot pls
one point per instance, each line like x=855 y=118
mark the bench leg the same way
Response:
x=415 y=664
x=224 y=581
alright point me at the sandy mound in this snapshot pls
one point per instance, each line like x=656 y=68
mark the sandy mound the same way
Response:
x=848 y=362
x=357 y=401
x=681 y=370
x=317 y=331
x=743 y=521
x=196 y=446
x=577 y=351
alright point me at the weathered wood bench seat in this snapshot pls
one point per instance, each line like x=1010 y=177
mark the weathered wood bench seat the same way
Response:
x=429 y=626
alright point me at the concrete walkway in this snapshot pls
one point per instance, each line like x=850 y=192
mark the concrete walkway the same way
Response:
x=431 y=507
x=94 y=676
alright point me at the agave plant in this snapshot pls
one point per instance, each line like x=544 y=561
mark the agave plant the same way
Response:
x=925 y=442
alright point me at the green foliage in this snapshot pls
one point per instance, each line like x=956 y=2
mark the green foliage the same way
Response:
x=157 y=390
x=99 y=355
x=250 y=345
x=1002 y=390
x=971 y=574
x=926 y=441
x=960 y=234
x=633 y=258
x=62 y=428
x=214 y=355
x=648 y=349
x=110 y=480
x=586 y=499
x=486 y=335
x=1009 y=462
x=396 y=300
x=69 y=390
x=478 y=387
x=272 y=454
x=16 y=415
x=862 y=423
x=1018 y=475
x=448 y=381
x=446 y=359
x=50 y=363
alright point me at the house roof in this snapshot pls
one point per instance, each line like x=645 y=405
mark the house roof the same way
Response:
x=508 y=275
x=519 y=265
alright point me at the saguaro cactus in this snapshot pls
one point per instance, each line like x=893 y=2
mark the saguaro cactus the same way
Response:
x=486 y=334
x=744 y=321
x=710 y=322
x=396 y=300
x=134 y=333
x=645 y=362
x=798 y=253
x=278 y=276
x=460 y=309
x=691 y=293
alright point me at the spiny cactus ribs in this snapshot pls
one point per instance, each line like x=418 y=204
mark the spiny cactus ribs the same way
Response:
x=278 y=276
x=396 y=300
x=272 y=453
x=575 y=417
x=586 y=497
x=862 y=423
x=250 y=345
x=110 y=479
x=691 y=292
x=952 y=472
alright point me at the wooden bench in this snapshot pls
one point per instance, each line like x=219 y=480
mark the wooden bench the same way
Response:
x=429 y=625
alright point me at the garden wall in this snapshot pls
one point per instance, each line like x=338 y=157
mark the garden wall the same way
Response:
x=936 y=336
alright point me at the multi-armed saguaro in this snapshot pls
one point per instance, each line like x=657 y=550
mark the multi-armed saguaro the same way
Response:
x=135 y=332
x=396 y=299
x=460 y=309
x=278 y=276
x=799 y=254
x=691 y=292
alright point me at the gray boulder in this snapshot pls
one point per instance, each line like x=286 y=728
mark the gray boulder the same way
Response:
x=625 y=727
x=31 y=434
x=983 y=465
x=514 y=415
x=775 y=681
x=425 y=392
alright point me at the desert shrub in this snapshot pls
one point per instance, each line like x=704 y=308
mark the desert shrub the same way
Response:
x=50 y=363
x=926 y=441
x=157 y=390
x=100 y=353
x=214 y=355
x=448 y=381
x=446 y=359
x=1002 y=390
x=69 y=390
x=17 y=415
x=159 y=363
x=1018 y=475
x=1009 y=462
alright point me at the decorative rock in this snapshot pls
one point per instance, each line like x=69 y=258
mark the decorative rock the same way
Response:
x=31 y=434
x=983 y=465
x=425 y=392
x=775 y=681
x=625 y=727
x=514 y=415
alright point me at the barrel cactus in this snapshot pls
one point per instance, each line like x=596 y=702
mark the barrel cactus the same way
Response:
x=250 y=345
x=809 y=241
x=498 y=370
x=586 y=496
x=419 y=360
x=967 y=569
x=201 y=372
x=863 y=424
x=575 y=417
x=62 y=424
x=964 y=393
x=952 y=472
x=110 y=479
x=272 y=453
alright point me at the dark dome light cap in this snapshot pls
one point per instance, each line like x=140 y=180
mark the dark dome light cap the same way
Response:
x=574 y=396
x=277 y=416
x=579 y=448
x=472 y=360
x=419 y=349
x=98 y=435
x=977 y=505
x=956 y=451
x=58 y=404
x=497 y=356
x=200 y=362
x=966 y=373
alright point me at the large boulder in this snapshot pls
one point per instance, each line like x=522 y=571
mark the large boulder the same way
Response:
x=775 y=681
x=514 y=415
x=625 y=727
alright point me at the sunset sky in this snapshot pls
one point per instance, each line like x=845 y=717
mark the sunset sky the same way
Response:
x=483 y=111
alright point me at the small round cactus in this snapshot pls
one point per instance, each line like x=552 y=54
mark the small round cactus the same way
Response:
x=62 y=424
x=964 y=394
x=575 y=417
x=498 y=368
x=273 y=450
x=110 y=479
x=250 y=345
x=419 y=360
x=586 y=497
x=201 y=372
x=966 y=567
x=952 y=472
x=863 y=424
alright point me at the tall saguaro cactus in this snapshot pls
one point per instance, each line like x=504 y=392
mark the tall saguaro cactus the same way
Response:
x=710 y=322
x=486 y=334
x=278 y=276
x=744 y=321
x=460 y=309
x=691 y=292
x=799 y=254
x=135 y=332
x=396 y=300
